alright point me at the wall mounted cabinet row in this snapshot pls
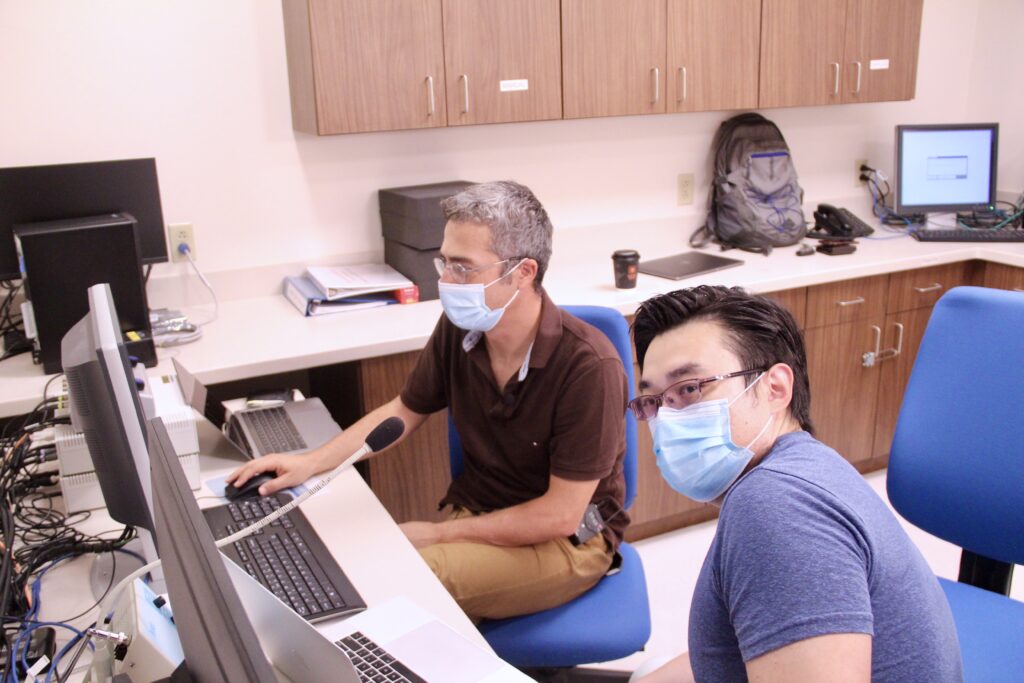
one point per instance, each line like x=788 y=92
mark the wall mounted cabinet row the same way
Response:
x=371 y=65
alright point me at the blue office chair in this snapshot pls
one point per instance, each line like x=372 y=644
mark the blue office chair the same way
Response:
x=612 y=619
x=956 y=467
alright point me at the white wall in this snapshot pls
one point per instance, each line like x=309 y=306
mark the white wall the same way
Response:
x=202 y=86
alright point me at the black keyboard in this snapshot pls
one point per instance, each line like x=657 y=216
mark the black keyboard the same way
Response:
x=966 y=235
x=286 y=557
x=373 y=663
x=273 y=430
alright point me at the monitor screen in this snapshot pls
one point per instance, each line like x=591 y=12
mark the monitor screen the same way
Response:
x=106 y=408
x=946 y=167
x=30 y=194
x=217 y=637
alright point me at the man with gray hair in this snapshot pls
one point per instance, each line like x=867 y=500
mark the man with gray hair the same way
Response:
x=537 y=398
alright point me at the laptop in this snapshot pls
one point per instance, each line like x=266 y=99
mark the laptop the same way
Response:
x=294 y=427
x=408 y=642
x=687 y=264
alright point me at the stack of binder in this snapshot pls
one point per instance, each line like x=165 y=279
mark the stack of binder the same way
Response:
x=347 y=288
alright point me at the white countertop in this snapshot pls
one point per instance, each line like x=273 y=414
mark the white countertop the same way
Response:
x=264 y=335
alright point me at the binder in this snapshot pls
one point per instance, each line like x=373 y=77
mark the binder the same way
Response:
x=310 y=301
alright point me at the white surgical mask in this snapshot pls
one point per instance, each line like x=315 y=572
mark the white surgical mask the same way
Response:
x=466 y=305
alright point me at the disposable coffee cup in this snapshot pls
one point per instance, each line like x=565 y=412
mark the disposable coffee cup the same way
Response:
x=626 y=262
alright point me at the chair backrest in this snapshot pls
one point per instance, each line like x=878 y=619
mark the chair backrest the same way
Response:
x=956 y=467
x=611 y=322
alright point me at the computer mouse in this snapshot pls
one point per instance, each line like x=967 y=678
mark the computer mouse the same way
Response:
x=805 y=250
x=249 y=488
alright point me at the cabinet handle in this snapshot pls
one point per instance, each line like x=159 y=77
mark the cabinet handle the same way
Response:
x=930 y=288
x=860 y=69
x=851 y=302
x=868 y=358
x=835 y=78
x=682 y=84
x=465 y=93
x=892 y=353
x=657 y=84
x=430 y=95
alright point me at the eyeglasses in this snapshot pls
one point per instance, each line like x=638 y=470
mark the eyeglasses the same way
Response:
x=678 y=395
x=461 y=273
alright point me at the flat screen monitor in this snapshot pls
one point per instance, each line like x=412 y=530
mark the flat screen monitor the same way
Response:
x=219 y=641
x=31 y=194
x=943 y=168
x=106 y=408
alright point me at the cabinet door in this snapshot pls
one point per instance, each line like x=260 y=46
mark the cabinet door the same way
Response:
x=801 y=52
x=921 y=288
x=503 y=60
x=794 y=301
x=847 y=300
x=613 y=57
x=999 y=276
x=377 y=64
x=881 y=50
x=844 y=392
x=412 y=477
x=902 y=334
x=705 y=74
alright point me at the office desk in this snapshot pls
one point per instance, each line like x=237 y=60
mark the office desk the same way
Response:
x=363 y=538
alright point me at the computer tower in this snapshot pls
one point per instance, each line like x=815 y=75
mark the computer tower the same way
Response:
x=60 y=260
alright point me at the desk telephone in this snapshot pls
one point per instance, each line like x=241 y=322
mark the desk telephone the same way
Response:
x=830 y=221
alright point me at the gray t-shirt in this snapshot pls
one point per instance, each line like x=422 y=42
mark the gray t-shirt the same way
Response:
x=805 y=548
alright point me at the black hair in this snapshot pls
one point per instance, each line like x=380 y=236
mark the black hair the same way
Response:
x=759 y=332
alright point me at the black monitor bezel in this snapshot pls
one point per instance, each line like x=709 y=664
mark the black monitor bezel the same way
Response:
x=906 y=209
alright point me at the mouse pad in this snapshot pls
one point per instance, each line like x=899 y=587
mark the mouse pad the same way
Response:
x=687 y=264
x=217 y=484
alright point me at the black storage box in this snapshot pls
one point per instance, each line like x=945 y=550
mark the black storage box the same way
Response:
x=413 y=227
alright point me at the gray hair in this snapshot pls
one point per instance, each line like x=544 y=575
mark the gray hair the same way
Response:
x=519 y=224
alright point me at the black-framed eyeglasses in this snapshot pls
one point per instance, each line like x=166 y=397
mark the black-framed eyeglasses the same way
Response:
x=460 y=273
x=678 y=395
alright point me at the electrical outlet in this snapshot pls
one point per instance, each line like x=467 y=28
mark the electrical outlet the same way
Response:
x=684 y=189
x=181 y=233
x=859 y=163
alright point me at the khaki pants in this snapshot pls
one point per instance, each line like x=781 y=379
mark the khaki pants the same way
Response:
x=493 y=582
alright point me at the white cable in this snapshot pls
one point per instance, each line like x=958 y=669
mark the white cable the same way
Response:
x=183 y=249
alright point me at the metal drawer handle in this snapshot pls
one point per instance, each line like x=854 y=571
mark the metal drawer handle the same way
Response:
x=868 y=358
x=683 y=84
x=930 y=288
x=851 y=302
x=657 y=84
x=892 y=353
x=465 y=93
x=430 y=92
x=860 y=68
x=835 y=78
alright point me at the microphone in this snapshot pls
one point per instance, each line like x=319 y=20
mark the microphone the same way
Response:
x=379 y=438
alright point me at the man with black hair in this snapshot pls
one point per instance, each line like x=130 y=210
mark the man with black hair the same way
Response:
x=809 y=577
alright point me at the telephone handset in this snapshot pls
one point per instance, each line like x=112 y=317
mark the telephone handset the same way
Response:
x=838 y=222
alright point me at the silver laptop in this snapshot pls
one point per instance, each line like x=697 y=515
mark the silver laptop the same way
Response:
x=293 y=427
x=411 y=642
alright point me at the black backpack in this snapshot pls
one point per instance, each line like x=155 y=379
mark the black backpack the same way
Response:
x=755 y=202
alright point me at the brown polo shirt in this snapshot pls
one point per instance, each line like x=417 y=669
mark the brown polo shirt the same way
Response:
x=562 y=414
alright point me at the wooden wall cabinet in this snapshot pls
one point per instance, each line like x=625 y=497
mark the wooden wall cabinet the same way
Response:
x=503 y=61
x=705 y=71
x=817 y=52
x=613 y=57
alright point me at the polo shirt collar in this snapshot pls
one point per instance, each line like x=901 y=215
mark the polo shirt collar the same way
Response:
x=543 y=345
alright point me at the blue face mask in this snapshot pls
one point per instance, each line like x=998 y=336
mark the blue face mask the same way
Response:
x=694 y=448
x=466 y=305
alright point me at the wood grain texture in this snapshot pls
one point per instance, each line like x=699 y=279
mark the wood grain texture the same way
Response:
x=720 y=74
x=895 y=372
x=999 y=276
x=881 y=29
x=610 y=49
x=825 y=302
x=843 y=392
x=371 y=62
x=489 y=41
x=299 y=52
x=912 y=289
x=411 y=478
x=800 y=40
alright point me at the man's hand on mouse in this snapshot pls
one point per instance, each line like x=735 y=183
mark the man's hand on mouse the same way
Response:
x=290 y=470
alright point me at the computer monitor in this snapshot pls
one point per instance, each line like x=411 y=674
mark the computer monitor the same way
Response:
x=942 y=168
x=30 y=194
x=105 y=407
x=219 y=641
